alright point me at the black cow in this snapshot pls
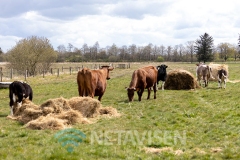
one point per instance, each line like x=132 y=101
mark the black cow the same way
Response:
x=162 y=74
x=17 y=92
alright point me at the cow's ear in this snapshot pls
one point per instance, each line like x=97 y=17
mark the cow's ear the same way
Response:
x=166 y=66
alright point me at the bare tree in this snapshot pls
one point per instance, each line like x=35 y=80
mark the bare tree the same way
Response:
x=32 y=53
x=132 y=51
x=169 y=53
x=61 y=49
x=181 y=50
x=190 y=49
x=70 y=46
x=123 y=52
x=162 y=50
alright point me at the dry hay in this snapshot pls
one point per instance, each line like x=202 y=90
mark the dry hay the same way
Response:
x=160 y=150
x=26 y=112
x=198 y=150
x=57 y=105
x=180 y=79
x=60 y=113
x=86 y=105
x=109 y=111
x=215 y=68
x=46 y=122
x=216 y=150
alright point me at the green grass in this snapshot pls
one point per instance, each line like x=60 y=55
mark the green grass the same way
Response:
x=209 y=117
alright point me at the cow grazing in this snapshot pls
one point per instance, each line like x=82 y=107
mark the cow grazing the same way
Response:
x=222 y=77
x=203 y=72
x=162 y=74
x=93 y=82
x=143 y=78
x=18 y=91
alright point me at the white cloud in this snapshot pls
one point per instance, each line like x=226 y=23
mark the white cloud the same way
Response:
x=121 y=22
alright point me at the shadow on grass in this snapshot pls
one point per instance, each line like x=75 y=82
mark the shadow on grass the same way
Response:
x=3 y=115
x=213 y=88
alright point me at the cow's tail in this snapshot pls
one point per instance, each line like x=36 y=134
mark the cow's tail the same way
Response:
x=225 y=76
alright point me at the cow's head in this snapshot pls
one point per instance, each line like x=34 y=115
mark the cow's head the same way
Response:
x=162 y=69
x=108 y=68
x=130 y=92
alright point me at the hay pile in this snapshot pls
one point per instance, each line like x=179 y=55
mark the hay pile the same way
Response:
x=180 y=80
x=80 y=103
x=215 y=68
x=60 y=113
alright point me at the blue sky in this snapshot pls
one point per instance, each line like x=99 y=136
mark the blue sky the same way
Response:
x=122 y=22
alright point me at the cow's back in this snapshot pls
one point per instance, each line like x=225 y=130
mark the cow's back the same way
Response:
x=151 y=75
x=84 y=79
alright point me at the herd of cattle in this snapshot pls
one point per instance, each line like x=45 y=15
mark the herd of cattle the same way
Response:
x=94 y=82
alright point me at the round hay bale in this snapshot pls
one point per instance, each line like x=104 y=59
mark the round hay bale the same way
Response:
x=86 y=105
x=215 y=68
x=180 y=80
x=57 y=105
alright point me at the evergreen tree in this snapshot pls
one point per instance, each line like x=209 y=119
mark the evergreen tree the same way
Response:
x=204 y=48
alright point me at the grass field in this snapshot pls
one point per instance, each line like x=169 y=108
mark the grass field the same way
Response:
x=200 y=124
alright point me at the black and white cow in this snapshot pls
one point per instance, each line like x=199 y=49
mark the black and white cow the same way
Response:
x=162 y=74
x=222 y=77
x=17 y=92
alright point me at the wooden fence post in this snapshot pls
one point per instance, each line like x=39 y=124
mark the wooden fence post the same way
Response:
x=11 y=73
x=70 y=70
x=1 y=73
x=58 y=72
x=25 y=76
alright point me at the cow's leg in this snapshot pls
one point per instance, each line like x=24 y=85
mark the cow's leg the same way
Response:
x=100 y=97
x=205 y=82
x=157 y=86
x=155 y=90
x=224 y=81
x=163 y=85
x=140 y=92
x=199 y=80
x=13 y=100
x=149 y=92
x=219 y=83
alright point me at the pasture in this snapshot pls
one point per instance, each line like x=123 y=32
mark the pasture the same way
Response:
x=185 y=124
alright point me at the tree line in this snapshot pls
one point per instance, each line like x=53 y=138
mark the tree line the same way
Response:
x=191 y=51
x=37 y=52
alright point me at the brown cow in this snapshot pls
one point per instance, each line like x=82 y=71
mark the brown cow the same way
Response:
x=93 y=82
x=203 y=72
x=143 y=78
